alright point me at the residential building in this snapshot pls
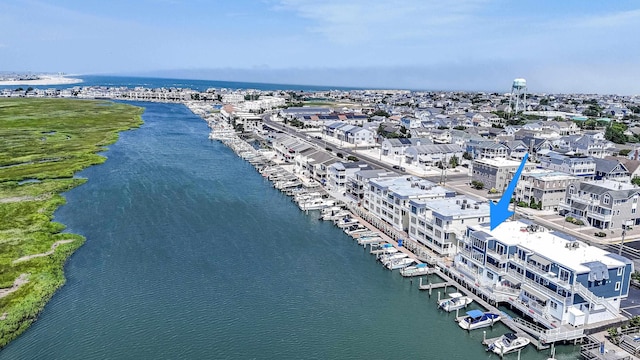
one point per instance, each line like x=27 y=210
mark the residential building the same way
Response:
x=580 y=166
x=496 y=173
x=487 y=149
x=544 y=187
x=603 y=204
x=611 y=169
x=440 y=224
x=430 y=155
x=397 y=146
x=338 y=174
x=359 y=182
x=388 y=198
x=551 y=279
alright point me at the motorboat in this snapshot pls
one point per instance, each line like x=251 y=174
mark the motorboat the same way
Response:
x=316 y=204
x=390 y=257
x=346 y=222
x=507 y=343
x=477 y=319
x=399 y=263
x=416 y=270
x=366 y=240
x=385 y=248
x=455 y=301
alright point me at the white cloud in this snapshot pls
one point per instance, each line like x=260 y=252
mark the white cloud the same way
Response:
x=350 y=22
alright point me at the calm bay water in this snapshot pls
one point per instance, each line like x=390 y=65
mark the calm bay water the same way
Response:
x=191 y=254
x=150 y=82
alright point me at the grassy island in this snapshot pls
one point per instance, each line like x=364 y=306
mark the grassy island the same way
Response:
x=44 y=142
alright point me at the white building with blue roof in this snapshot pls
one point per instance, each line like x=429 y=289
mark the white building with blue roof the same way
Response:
x=553 y=280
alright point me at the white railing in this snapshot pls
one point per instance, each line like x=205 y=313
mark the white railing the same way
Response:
x=559 y=334
x=593 y=298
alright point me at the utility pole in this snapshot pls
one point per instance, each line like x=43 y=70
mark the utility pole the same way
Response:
x=624 y=232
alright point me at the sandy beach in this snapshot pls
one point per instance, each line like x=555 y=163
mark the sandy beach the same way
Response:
x=44 y=80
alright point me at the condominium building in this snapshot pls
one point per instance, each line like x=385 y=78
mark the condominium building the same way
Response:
x=543 y=186
x=388 y=198
x=496 y=173
x=551 y=279
x=440 y=224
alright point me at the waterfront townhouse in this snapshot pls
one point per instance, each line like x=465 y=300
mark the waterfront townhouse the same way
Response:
x=551 y=279
x=439 y=224
x=338 y=174
x=611 y=169
x=288 y=147
x=603 y=204
x=359 y=182
x=431 y=155
x=314 y=163
x=496 y=173
x=544 y=188
x=581 y=166
x=388 y=198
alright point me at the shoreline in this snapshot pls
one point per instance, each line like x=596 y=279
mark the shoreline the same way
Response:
x=43 y=80
x=41 y=268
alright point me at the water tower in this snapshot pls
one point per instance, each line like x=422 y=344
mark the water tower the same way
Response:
x=518 y=95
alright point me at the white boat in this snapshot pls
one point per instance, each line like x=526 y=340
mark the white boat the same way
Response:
x=337 y=215
x=477 y=319
x=416 y=270
x=390 y=257
x=316 y=204
x=366 y=240
x=454 y=302
x=507 y=343
x=399 y=264
x=346 y=222
x=330 y=212
x=385 y=248
x=356 y=229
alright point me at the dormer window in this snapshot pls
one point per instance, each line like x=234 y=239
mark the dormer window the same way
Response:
x=607 y=199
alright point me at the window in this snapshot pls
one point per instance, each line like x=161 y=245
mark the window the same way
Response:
x=553 y=305
x=607 y=199
x=617 y=285
x=620 y=270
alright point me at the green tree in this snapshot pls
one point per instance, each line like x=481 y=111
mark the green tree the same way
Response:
x=380 y=113
x=467 y=156
x=478 y=185
x=615 y=132
x=635 y=181
x=453 y=162
x=624 y=152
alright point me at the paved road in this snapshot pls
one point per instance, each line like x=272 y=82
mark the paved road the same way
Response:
x=631 y=249
x=323 y=144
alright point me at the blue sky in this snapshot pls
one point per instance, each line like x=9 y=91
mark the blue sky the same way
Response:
x=558 y=46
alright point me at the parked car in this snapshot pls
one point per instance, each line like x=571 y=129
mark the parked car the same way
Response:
x=600 y=234
x=397 y=167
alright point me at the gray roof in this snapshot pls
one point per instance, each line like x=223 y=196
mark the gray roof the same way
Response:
x=437 y=149
x=607 y=166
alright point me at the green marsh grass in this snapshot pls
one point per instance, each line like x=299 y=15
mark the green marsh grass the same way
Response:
x=48 y=140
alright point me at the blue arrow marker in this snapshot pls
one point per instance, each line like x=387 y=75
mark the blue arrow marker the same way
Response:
x=500 y=212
